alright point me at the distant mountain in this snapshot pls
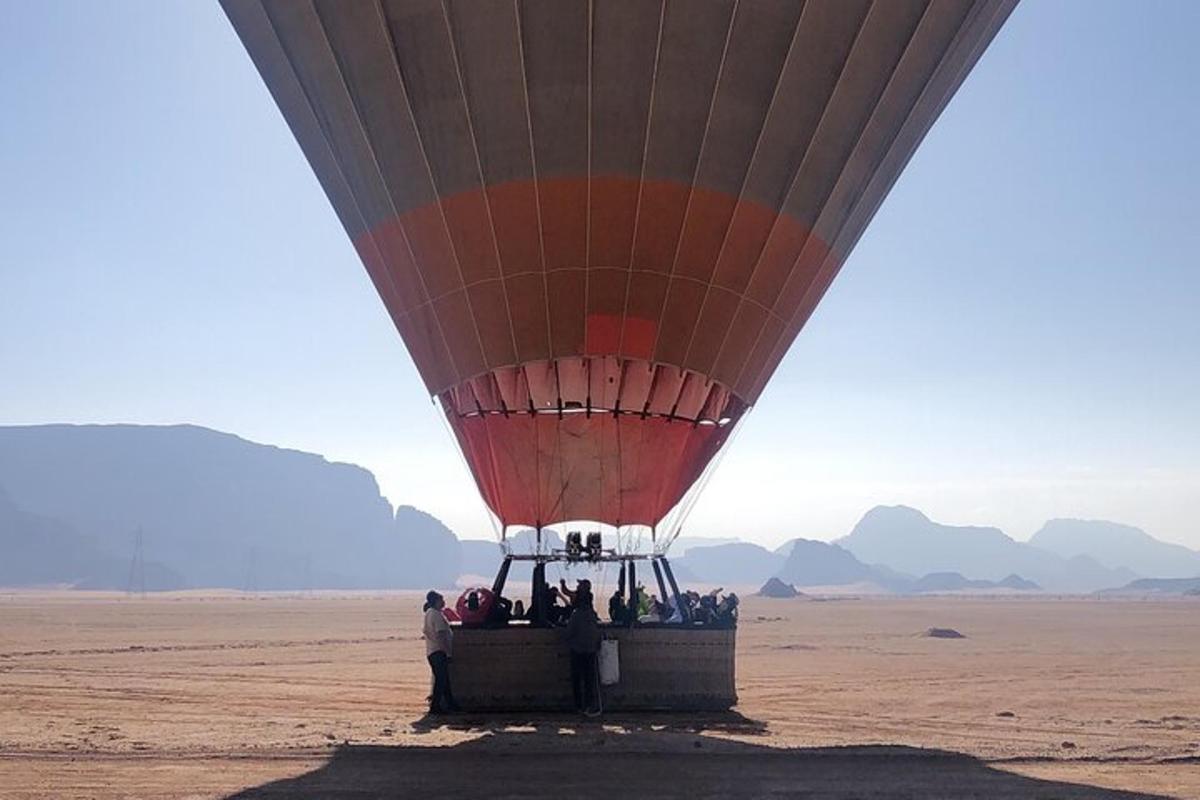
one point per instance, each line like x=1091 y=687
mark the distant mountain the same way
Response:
x=688 y=579
x=813 y=563
x=1018 y=583
x=431 y=554
x=1115 y=545
x=777 y=589
x=216 y=510
x=43 y=551
x=524 y=541
x=480 y=557
x=947 y=582
x=683 y=544
x=219 y=510
x=954 y=582
x=908 y=541
x=483 y=558
x=785 y=549
x=738 y=564
x=1183 y=586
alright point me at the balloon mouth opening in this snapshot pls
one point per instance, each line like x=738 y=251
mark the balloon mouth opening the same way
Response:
x=592 y=438
x=574 y=410
x=589 y=385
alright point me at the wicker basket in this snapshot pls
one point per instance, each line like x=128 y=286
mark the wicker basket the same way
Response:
x=667 y=668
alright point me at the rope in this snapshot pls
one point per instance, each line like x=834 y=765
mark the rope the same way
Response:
x=680 y=513
x=493 y=520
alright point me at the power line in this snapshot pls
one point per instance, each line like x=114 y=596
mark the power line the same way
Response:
x=251 y=582
x=137 y=566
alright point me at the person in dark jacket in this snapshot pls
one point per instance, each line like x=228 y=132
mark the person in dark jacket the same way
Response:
x=581 y=585
x=618 y=611
x=583 y=640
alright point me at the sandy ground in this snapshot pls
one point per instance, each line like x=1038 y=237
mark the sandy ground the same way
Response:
x=210 y=696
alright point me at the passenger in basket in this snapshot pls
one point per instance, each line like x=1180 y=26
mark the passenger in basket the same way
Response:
x=654 y=611
x=501 y=612
x=618 y=612
x=673 y=611
x=727 y=611
x=643 y=601
x=556 y=614
x=581 y=585
x=583 y=640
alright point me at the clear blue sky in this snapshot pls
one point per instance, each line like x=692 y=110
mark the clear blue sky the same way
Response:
x=1016 y=337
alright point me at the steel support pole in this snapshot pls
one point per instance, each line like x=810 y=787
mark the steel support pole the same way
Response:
x=501 y=576
x=658 y=576
x=539 y=599
x=683 y=609
x=633 y=599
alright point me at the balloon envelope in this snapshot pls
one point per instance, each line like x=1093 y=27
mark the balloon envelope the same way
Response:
x=598 y=226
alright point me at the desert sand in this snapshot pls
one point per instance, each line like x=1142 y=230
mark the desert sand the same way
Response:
x=215 y=696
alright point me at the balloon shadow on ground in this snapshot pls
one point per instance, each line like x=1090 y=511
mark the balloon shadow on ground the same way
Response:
x=566 y=758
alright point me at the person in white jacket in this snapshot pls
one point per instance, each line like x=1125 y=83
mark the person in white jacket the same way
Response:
x=439 y=646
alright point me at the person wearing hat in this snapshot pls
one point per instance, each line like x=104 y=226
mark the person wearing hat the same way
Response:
x=439 y=640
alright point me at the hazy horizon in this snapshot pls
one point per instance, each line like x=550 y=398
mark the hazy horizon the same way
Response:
x=1013 y=340
x=491 y=535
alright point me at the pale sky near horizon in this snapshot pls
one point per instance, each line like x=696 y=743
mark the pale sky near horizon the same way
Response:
x=1015 y=338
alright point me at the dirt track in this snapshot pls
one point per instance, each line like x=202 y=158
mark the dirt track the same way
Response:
x=218 y=696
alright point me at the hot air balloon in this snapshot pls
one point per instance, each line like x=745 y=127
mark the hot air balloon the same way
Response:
x=599 y=224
